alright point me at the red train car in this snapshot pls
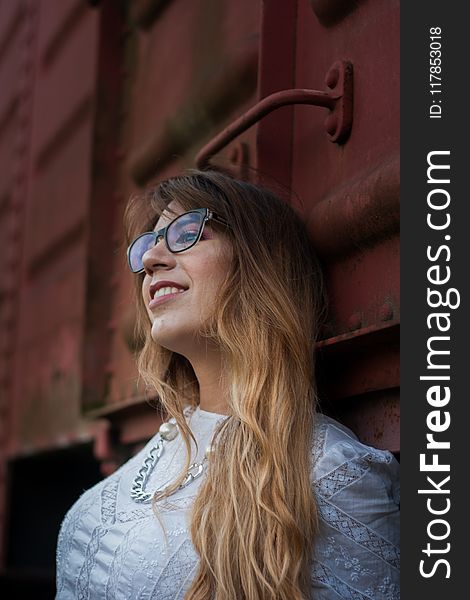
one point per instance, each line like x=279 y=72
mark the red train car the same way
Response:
x=100 y=99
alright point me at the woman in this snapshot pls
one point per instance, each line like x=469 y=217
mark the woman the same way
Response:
x=246 y=492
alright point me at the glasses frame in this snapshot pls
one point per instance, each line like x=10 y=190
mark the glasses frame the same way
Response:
x=163 y=233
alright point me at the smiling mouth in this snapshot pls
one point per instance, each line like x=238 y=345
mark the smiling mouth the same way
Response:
x=163 y=294
x=166 y=291
x=165 y=287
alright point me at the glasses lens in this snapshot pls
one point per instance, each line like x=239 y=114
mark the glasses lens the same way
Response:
x=183 y=232
x=138 y=248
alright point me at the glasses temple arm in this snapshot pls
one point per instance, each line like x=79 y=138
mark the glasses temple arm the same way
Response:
x=219 y=219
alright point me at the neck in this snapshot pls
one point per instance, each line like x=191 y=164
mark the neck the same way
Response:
x=212 y=384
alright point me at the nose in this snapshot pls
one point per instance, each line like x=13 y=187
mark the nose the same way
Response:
x=158 y=257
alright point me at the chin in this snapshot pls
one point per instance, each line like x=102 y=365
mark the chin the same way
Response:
x=169 y=338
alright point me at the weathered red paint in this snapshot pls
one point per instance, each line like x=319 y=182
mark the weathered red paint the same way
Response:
x=103 y=223
x=46 y=132
x=17 y=44
x=350 y=197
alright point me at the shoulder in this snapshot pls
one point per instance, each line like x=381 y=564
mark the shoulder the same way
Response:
x=352 y=474
x=357 y=492
x=339 y=456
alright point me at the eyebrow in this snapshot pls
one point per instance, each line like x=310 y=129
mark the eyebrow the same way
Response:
x=165 y=216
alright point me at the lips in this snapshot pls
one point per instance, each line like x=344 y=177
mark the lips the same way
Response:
x=163 y=291
x=165 y=284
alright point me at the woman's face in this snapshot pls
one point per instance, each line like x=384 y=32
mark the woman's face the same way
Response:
x=179 y=290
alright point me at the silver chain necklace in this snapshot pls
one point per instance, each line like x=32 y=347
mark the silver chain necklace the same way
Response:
x=167 y=432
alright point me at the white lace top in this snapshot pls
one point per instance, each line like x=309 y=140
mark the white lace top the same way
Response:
x=112 y=548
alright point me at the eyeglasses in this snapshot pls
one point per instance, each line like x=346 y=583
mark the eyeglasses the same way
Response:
x=181 y=234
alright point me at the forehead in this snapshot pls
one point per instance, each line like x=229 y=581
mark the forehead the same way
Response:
x=171 y=212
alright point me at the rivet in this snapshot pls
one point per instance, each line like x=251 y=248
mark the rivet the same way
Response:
x=354 y=321
x=332 y=78
x=331 y=123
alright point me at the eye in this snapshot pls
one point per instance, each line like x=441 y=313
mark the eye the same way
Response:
x=187 y=236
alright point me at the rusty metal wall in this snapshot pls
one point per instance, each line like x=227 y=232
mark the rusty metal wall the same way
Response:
x=100 y=99
x=48 y=85
x=340 y=158
x=351 y=195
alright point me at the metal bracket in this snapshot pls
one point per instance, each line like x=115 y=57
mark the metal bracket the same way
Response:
x=338 y=98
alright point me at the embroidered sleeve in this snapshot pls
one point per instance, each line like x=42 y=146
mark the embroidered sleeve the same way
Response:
x=357 y=554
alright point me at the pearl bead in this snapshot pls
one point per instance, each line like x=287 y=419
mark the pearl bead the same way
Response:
x=168 y=431
x=210 y=450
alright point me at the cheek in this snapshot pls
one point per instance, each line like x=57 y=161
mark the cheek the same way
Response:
x=212 y=279
x=145 y=296
x=145 y=289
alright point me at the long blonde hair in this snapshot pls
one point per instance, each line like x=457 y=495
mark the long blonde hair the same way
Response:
x=254 y=521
